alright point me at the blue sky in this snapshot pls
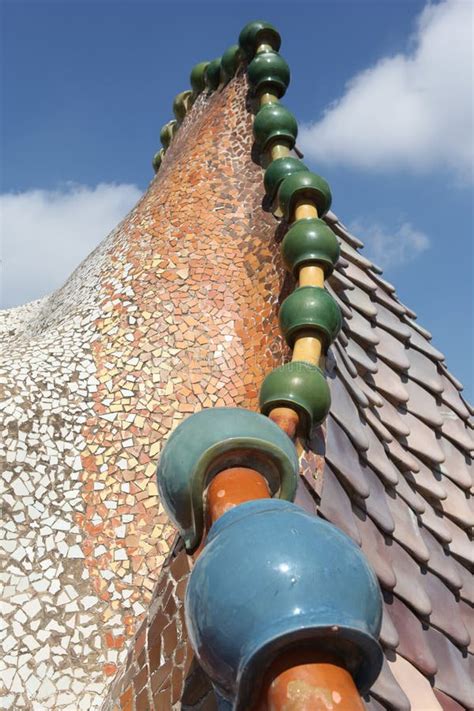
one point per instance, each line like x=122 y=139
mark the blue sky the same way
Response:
x=383 y=107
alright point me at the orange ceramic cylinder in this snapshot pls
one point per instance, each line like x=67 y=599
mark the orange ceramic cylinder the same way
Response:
x=232 y=487
x=297 y=682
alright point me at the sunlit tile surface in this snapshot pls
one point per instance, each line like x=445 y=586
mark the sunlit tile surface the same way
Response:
x=177 y=310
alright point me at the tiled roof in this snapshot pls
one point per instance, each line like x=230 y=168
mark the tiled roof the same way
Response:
x=391 y=465
x=396 y=478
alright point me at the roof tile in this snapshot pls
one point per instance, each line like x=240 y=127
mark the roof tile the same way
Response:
x=435 y=522
x=467 y=614
x=427 y=480
x=371 y=704
x=378 y=426
x=378 y=459
x=337 y=296
x=340 y=229
x=457 y=505
x=336 y=506
x=388 y=633
x=303 y=497
x=421 y=344
x=457 y=465
x=344 y=410
x=422 y=404
x=424 y=371
x=454 y=429
x=409 y=495
x=391 y=302
x=354 y=256
x=417 y=687
x=467 y=590
x=365 y=359
x=414 y=324
x=361 y=329
x=386 y=285
x=406 y=571
x=339 y=281
x=413 y=644
x=388 y=382
x=376 y=504
x=407 y=530
x=342 y=455
x=440 y=562
x=392 y=323
x=391 y=417
x=360 y=300
x=360 y=277
x=453 y=675
x=422 y=440
x=451 y=397
x=374 y=546
x=401 y=456
x=447 y=703
x=392 y=350
x=445 y=614
x=460 y=544
x=387 y=689
x=350 y=381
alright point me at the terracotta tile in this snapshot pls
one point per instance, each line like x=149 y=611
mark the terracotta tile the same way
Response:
x=455 y=430
x=376 y=549
x=350 y=379
x=440 y=562
x=445 y=614
x=457 y=505
x=361 y=301
x=415 y=685
x=376 y=504
x=407 y=530
x=359 y=328
x=342 y=455
x=391 y=322
x=422 y=404
x=453 y=675
x=451 y=397
x=364 y=359
x=421 y=344
x=376 y=457
x=344 y=410
x=388 y=383
x=392 y=419
x=457 y=465
x=436 y=523
x=413 y=643
x=388 y=634
x=460 y=544
x=424 y=371
x=304 y=499
x=406 y=571
x=427 y=480
x=392 y=351
x=446 y=702
x=422 y=441
x=467 y=614
x=336 y=506
x=387 y=689
x=371 y=704
x=407 y=492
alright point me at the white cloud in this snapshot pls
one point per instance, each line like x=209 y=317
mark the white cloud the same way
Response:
x=391 y=248
x=45 y=234
x=409 y=111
